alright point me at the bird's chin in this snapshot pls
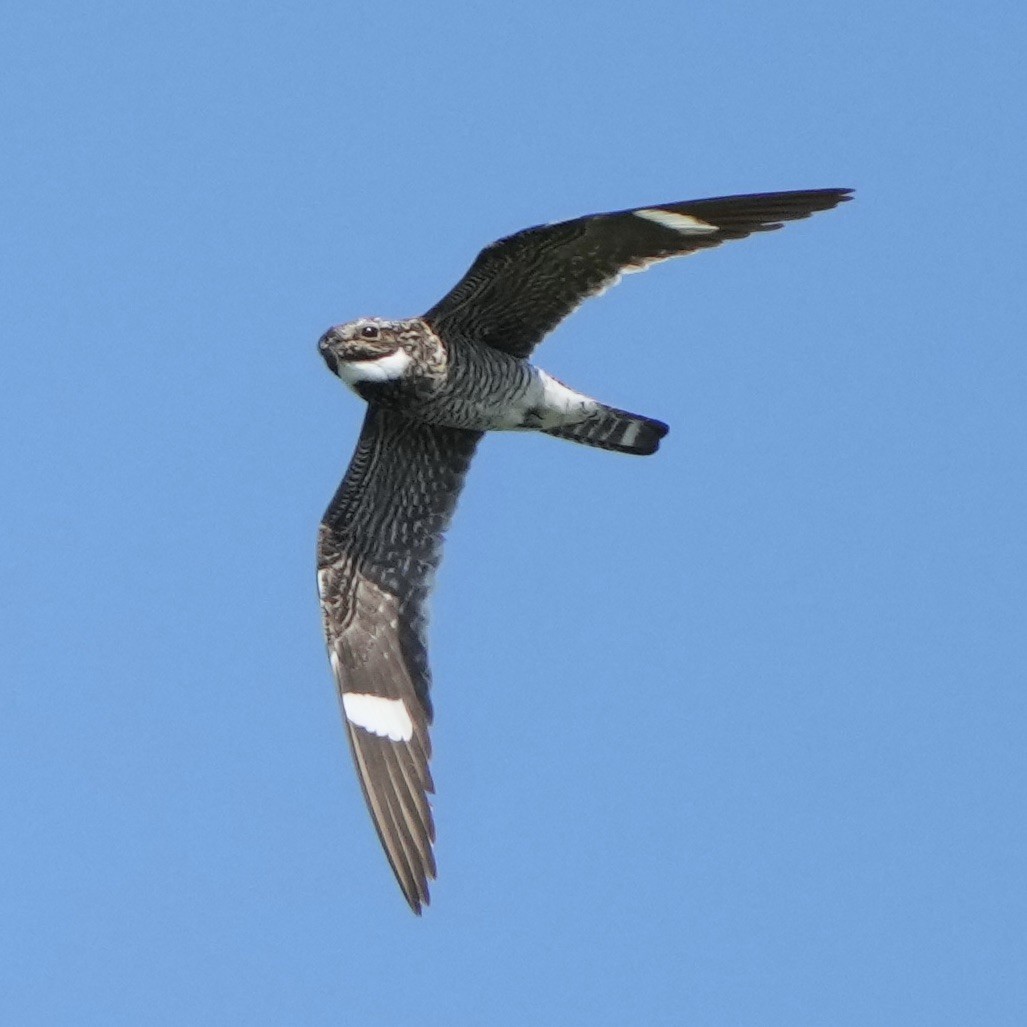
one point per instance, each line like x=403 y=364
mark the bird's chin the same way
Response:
x=379 y=369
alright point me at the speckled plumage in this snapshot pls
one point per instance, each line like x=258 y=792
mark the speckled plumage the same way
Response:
x=433 y=386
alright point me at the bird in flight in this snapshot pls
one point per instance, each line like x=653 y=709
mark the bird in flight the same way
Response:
x=434 y=385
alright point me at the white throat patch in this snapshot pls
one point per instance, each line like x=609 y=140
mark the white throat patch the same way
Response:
x=387 y=718
x=381 y=369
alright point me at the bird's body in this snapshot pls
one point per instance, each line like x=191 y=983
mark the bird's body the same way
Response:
x=434 y=385
x=458 y=384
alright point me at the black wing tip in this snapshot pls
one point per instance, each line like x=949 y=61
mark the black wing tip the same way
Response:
x=418 y=904
x=803 y=204
x=813 y=200
x=741 y=215
x=795 y=203
x=415 y=886
x=840 y=191
x=829 y=196
x=787 y=205
x=413 y=882
x=394 y=814
x=822 y=199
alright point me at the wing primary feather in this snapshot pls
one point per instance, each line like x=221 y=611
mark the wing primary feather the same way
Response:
x=379 y=545
x=417 y=829
x=373 y=774
x=521 y=287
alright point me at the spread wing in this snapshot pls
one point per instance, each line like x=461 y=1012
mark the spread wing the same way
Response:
x=521 y=287
x=379 y=544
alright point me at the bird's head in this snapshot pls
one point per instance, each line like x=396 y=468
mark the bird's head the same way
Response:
x=366 y=351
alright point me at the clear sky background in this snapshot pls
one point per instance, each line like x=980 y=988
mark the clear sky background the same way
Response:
x=730 y=735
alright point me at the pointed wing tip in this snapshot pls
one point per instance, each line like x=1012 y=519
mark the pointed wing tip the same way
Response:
x=841 y=194
x=415 y=888
x=418 y=904
x=399 y=810
x=817 y=200
x=412 y=878
x=802 y=204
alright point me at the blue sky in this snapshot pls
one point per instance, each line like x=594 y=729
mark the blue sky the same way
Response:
x=730 y=735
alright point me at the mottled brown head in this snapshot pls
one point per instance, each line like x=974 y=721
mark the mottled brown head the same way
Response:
x=368 y=341
x=372 y=351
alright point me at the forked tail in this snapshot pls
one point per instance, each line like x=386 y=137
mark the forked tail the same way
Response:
x=610 y=428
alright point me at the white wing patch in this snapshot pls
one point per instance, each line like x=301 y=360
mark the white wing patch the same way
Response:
x=387 y=718
x=684 y=224
x=383 y=369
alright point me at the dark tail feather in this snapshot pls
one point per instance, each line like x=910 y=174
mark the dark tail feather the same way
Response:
x=614 y=429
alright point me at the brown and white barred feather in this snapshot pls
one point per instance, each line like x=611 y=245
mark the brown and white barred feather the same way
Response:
x=379 y=545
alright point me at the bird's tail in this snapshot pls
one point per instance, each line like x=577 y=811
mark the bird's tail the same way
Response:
x=610 y=428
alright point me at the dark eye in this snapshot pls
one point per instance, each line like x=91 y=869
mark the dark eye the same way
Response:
x=369 y=331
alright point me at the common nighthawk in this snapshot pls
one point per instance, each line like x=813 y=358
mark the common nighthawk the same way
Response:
x=433 y=385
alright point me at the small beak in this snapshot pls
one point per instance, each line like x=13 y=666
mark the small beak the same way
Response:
x=324 y=346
